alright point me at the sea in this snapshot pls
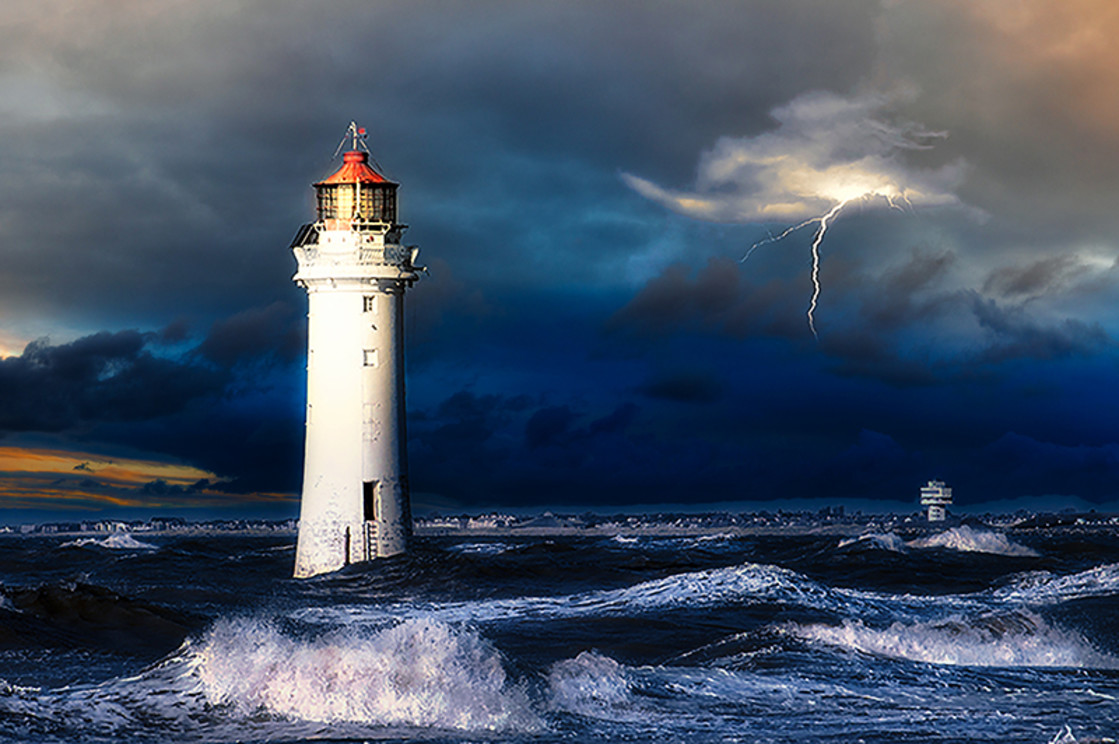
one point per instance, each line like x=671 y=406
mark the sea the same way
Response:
x=966 y=634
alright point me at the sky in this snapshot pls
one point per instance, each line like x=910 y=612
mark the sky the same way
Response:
x=682 y=255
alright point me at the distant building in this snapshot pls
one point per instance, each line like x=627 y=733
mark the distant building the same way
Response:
x=936 y=496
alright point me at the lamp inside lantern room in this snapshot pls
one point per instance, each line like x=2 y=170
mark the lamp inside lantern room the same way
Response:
x=356 y=195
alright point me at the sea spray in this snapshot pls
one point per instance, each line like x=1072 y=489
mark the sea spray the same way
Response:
x=591 y=685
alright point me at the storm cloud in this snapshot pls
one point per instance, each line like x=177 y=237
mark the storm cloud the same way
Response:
x=583 y=181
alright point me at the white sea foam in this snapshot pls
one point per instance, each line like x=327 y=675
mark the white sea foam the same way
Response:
x=416 y=673
x=116 y=541
x=881 y=541
x=1019 y=639
x=482 y=548
x=966 y=539
x=674 y=542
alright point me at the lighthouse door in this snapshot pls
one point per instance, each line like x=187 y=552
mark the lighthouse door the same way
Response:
x=369 y=503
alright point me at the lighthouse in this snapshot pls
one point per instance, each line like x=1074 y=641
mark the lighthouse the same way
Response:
x=354 y=504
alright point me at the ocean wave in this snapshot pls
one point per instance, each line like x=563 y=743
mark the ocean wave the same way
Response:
x=1043 y=587
x=876 y=540
x=747 y=583
x=966 y=539
x=116 y=541
x=244 y=674
x=416 y=673
x=1017 y=639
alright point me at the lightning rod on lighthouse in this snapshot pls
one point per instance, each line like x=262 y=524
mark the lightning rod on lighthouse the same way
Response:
x=355 y=505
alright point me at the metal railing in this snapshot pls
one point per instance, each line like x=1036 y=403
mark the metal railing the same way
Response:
x=390 y=255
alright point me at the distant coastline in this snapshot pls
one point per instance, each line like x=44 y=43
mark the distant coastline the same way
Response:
x=496 y=524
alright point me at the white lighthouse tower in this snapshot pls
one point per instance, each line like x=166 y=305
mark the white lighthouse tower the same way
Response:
x=355 y=503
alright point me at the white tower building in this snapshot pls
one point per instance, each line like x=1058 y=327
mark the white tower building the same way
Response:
x=937 y=497
x=355 y=503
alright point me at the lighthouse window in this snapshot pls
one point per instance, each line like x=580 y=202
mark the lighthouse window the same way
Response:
x=389 y=206
x=368 y=304
x=345 y=197
x=328 y=206
x=370 y=357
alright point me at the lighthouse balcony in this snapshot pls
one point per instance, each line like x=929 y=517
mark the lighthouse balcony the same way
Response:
x=368 y=255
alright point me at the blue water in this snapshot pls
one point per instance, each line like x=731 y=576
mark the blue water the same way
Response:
x=969 y=635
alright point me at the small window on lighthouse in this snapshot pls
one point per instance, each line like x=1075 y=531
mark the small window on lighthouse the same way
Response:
x=370 y=357
x=368 y=304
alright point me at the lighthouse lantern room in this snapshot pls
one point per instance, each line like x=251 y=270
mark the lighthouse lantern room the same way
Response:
x=354 y=504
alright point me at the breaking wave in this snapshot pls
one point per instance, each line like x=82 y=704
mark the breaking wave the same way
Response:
x=417 y=673
x=1018 y=639
x=245 y=673
x=117 y=541
x=966 y=539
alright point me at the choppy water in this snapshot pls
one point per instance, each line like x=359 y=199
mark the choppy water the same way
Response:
x=966 y=636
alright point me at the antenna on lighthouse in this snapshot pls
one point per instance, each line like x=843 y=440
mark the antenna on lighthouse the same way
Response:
x=356 y=135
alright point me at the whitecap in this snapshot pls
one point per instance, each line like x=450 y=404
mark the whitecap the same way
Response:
x=966 y=539
x=116 y=541
x=1019 y=639
x=1037 y=587
x=876 y=540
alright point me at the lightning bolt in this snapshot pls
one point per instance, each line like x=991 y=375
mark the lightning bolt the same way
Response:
x=775 y=238
x=816 y=264
x=825 y=221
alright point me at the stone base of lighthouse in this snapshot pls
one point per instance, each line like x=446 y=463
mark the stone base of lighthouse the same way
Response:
x=355 y=504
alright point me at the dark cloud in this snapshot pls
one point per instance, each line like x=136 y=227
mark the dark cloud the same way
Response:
x=684 y=387
x=1034 y=279
x=258 y=332
x=548 y=426
x=870 y=334
x=107 y=376
x=1019 y=336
